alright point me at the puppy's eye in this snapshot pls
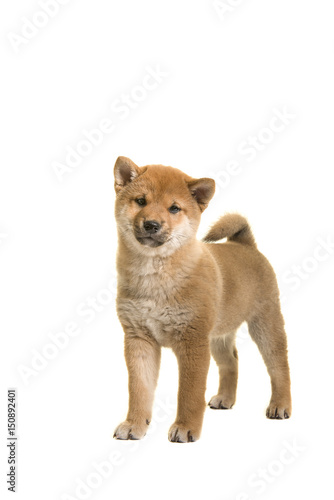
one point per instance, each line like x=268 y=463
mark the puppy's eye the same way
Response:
x=141 y=201
x=174 y=209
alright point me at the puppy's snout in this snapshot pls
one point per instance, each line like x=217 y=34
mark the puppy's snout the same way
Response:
x=151 y=226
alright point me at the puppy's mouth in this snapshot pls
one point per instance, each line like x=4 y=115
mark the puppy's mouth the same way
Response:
x=150 y=241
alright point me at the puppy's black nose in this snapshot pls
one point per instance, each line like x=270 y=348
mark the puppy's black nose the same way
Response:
x=151 y=226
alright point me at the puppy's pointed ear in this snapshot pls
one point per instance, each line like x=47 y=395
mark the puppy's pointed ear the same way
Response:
x=124 y=171
x=202 y=190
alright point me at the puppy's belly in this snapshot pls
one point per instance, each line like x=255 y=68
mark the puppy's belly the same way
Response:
x=164 y=322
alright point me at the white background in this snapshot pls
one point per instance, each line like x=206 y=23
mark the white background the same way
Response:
x=224 y=75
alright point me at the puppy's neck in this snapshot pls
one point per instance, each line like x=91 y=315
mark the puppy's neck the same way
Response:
x=144 y=263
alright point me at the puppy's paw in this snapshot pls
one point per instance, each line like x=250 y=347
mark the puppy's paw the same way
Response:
x=279 y=411
x=179 y=433
x=221 y=402
x=130 y=430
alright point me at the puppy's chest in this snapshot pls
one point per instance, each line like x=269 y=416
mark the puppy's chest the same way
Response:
x=164 y=323
x=155 y=306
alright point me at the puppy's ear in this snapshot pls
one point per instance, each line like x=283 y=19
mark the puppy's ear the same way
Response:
x=202 y=190
x=124 y=171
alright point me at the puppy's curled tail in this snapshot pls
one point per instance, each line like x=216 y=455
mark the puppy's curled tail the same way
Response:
x=234 y=227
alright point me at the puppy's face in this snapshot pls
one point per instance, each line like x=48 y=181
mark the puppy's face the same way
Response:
x=158 y=208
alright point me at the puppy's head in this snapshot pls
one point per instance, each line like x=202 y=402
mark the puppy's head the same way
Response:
x=158 y=208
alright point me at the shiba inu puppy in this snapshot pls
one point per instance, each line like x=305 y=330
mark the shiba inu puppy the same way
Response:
x=192 y=296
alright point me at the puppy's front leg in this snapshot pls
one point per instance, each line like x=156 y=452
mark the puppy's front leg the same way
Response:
x=142 y=355
x=193 y=356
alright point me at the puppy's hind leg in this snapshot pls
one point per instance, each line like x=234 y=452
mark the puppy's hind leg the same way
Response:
x=267 y=330
x=224 y=352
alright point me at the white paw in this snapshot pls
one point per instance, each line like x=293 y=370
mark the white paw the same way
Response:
x=182 y=434
x=221 y=402
x=129 y=430
x=279 y=411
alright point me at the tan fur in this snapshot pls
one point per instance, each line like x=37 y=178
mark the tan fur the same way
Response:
x=190 y=296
